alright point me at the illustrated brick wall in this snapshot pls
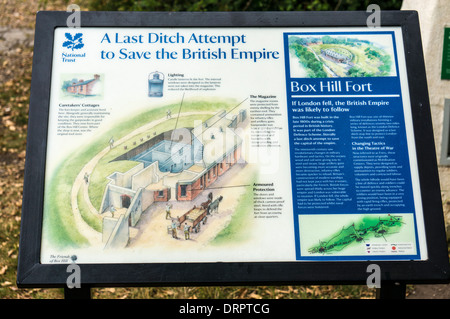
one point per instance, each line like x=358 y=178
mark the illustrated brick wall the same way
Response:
x=164 y=198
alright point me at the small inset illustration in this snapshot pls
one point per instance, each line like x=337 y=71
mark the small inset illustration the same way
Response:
x=359 y=232
x=82 y=86
x=155 y=84
x=352 y=55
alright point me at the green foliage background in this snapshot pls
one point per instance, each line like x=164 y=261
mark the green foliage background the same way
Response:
x=239 y=5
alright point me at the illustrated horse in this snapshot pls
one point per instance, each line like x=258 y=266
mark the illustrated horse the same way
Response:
x=205 y=205
x=214 y=206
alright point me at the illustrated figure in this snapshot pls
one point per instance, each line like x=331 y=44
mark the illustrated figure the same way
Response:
x=168 y=206
x=112 y=209
x=174 y=229
x=111 y=142
x=86 y=177
x=186 y=231
x=169 y=114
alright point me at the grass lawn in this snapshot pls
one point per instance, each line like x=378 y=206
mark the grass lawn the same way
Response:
x=95 y=221
x=235 y=230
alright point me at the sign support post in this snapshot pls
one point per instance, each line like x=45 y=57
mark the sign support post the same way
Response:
x=84 y=292
x=390 y=290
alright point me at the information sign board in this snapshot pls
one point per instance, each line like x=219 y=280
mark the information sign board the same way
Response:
x=200 y=148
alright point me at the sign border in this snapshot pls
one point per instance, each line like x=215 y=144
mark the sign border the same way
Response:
x=31 y=273
x=445 y=75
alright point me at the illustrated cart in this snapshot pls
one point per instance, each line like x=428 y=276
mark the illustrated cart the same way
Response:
x=194 y=218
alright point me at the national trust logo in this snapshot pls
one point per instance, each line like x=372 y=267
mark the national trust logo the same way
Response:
x=73 y=42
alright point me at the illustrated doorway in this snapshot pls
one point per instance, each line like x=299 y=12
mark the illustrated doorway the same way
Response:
x=126 y=201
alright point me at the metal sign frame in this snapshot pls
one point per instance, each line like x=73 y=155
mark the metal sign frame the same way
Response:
x=31 y=273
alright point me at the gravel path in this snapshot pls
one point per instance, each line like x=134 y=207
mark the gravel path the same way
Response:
x=13 y=38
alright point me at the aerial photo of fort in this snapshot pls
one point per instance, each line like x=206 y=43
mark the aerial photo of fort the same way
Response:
x=340 y=56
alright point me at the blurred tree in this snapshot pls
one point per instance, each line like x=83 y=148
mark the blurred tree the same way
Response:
x=239 y=5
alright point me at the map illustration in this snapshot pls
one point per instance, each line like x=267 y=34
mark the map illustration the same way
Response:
x=358 y=232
